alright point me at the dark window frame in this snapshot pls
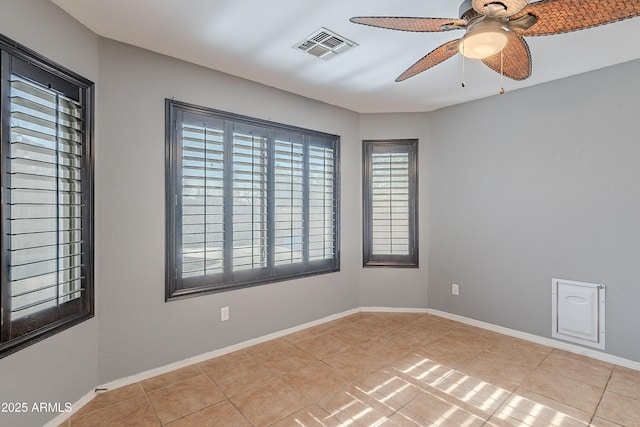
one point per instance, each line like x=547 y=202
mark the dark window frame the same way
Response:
x=369 y=259
x=175 y=286
x=21 y=332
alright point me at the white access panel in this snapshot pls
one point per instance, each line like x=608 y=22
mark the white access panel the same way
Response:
x=578 y=312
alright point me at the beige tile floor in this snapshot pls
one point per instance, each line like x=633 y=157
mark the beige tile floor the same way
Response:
x=380 y=369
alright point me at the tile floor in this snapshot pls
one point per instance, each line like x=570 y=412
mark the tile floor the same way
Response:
x=380 y=369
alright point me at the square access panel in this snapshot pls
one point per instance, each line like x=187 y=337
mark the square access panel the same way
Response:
x=578 y=310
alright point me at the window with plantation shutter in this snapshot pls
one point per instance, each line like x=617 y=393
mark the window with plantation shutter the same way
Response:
x=248 y=202
x=47 y=256
x=390 y=203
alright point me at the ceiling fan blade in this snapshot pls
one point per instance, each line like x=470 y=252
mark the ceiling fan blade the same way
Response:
x=523 y=23
x=516 y=62
x=562 y=16
x=498 y=9
x=434 y=57
x=411 y=24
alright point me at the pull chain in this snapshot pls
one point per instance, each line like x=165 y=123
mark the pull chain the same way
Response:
x=463 y=83
x=501 y=91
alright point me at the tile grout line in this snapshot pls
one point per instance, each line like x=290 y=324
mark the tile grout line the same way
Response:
x=509 y=396
x=323 y=361
x=153 y=408
x=563 y=403
x=604 y=390
x=593 y=415
x=108 y=406
x=181 y=381
x=226 y=396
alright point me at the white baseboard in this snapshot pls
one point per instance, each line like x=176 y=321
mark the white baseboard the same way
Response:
x=74 y=408
x=132 y=379
x=561 y=345
x=391 y=310
x=230 y=349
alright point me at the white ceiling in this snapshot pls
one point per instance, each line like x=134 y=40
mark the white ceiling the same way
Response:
x=254 y=38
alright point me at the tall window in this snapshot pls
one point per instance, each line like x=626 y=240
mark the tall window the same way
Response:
x=248 y=202
x=390 y=203
x=47 y=202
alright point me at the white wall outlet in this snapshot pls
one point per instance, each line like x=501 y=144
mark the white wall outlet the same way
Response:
x=455 y=289
x=224 y=314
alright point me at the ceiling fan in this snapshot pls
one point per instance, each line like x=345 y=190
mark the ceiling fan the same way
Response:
x=495 y=30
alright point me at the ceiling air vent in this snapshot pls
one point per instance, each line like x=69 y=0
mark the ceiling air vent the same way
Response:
x=325 y=44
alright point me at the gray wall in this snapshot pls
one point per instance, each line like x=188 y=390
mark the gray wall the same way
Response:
x=398 y=287
x=137 y=329
x=539 y=183
x=64 y=367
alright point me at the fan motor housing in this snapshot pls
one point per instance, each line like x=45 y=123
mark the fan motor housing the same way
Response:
x=467 y=11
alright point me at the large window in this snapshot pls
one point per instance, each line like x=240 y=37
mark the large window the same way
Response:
x=248 y=202
x=47 y=201
x=390 y=202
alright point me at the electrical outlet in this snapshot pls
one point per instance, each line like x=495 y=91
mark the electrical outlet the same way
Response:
x=224 y=314
x=455 y=289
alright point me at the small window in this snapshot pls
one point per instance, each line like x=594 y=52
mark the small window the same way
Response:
x=390 y=198
x=248 y=201
x=47 y=201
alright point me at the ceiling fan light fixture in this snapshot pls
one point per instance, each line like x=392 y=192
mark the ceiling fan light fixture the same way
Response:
x=483 y=39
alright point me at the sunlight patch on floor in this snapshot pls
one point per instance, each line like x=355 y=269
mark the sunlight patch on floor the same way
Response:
x=487 y=398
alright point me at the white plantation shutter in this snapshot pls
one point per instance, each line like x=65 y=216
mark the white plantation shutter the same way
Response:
x=202 y=168
x=390 y=203
x=47 y=256
x=248 y=203
x=249 y=199
x=288 y=199
x=322 y=214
